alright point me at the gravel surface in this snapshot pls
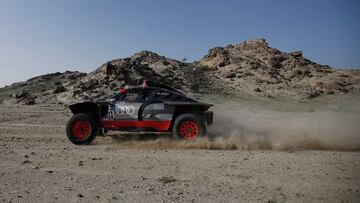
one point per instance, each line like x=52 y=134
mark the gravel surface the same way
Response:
x=39 y=164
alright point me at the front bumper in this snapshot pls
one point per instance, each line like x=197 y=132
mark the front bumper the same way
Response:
x=209 y=116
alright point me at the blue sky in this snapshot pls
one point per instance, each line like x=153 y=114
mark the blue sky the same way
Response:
x=43 y=36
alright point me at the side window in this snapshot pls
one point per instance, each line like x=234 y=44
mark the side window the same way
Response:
x=148 y=94
x=169 y=96
x=161 y=95
x=135 y=95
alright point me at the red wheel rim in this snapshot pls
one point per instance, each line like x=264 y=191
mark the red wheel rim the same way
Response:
x=81 y=129
x=189 y=130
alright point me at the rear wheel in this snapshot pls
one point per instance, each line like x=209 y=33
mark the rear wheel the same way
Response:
x=188 y=127
x=81 y=129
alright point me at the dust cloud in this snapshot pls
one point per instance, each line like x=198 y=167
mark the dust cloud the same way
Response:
x=241 y=130
x=288 y=131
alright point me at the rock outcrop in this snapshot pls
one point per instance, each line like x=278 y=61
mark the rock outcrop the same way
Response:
x=252 y=66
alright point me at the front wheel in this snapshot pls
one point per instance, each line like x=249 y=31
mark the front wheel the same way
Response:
x=81 y=129
x=188 y=127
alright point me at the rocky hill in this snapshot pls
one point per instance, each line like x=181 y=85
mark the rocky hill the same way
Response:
x=41 y=89
x=251 y=67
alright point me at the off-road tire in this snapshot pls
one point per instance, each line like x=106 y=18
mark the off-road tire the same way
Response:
x=81 y=129
x=195 y=125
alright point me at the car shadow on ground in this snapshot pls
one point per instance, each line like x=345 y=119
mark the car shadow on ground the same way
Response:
x=138 y=136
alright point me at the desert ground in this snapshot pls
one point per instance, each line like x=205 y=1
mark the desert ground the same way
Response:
x=278 y=154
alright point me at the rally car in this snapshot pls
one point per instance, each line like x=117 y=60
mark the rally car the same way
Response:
x=151 y=106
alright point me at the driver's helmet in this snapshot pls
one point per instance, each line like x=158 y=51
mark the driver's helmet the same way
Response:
x=122 y=84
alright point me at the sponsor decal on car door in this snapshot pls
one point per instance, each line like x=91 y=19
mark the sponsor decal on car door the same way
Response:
x=126 y=110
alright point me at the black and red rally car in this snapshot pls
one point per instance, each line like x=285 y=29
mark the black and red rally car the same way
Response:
x=152 y=107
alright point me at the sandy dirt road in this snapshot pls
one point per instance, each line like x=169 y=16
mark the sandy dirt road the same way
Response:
x=39 y=164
